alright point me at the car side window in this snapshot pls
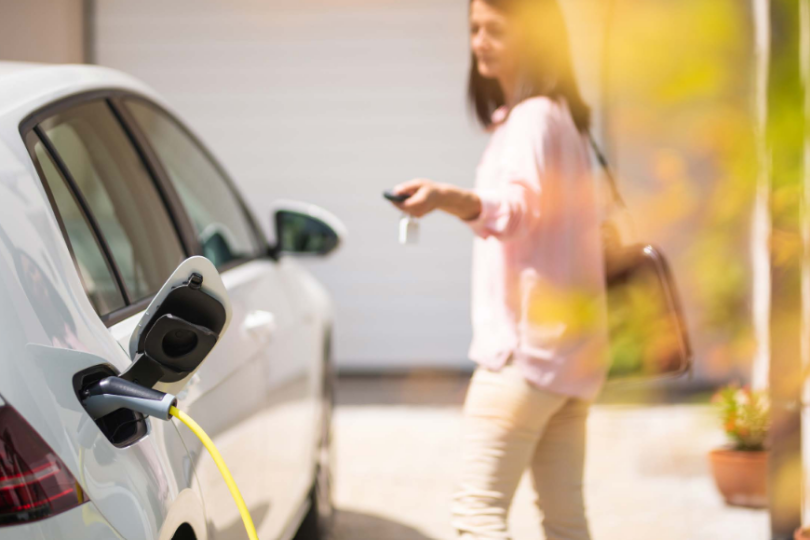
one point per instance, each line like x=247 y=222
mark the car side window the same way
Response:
x=119 y=192
x=223 y=228
x=96 y=275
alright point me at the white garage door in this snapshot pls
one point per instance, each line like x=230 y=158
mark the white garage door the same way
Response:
x=331 y=101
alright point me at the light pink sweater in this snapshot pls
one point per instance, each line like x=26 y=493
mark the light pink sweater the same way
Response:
x=538 y=274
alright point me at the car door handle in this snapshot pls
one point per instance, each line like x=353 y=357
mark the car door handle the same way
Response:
x=260 y=323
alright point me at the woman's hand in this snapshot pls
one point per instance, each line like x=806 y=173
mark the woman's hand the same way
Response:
x=425 y=197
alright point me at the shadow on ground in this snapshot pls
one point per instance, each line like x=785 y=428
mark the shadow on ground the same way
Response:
x=357 y=526
x=426 y=388
x=434 y=388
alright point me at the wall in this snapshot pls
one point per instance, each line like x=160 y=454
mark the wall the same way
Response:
x=42 y=31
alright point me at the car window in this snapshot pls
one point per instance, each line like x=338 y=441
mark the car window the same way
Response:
x=120 y=193
x=96 y=275
x=221 y=224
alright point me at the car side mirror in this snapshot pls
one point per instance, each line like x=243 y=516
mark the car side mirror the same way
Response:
x=181 y=325
x=305 y=229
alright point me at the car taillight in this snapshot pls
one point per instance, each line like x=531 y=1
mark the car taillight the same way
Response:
x=34 y=483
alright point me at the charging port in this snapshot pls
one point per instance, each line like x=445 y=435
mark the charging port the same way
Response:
x=122 y=427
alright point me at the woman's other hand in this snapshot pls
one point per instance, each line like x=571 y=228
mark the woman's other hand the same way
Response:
x=425 y=197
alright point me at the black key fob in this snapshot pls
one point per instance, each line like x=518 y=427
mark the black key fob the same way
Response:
x=393 y=197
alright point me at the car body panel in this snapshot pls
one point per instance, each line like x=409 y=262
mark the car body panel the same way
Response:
x=269 y=416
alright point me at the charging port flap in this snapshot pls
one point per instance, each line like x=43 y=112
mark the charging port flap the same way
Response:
x=181 y=325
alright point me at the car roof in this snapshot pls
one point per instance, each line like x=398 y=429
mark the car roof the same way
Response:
x=7 y=68
x=25 y=87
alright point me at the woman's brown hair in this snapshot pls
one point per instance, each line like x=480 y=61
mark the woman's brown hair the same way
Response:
x=547 y=69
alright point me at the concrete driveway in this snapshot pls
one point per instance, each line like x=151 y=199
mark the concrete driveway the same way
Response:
x=647 y=477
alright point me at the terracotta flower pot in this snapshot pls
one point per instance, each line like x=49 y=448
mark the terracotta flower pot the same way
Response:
x=742 y=477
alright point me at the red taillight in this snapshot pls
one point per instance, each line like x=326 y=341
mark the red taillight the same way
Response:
x=34 y=483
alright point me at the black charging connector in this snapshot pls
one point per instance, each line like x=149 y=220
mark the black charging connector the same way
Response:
x=113 y=393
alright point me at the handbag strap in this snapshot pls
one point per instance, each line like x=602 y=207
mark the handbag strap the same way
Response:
x=611 y=180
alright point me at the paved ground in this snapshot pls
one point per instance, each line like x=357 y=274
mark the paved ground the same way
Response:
x=647 y=475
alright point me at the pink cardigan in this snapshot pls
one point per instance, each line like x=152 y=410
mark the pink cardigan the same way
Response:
x=538 y=277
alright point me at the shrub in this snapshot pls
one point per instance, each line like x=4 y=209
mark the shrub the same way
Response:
x=745 y=415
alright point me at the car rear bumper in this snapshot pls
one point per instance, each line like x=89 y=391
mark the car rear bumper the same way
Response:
x=83 y=522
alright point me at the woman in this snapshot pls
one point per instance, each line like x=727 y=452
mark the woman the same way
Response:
x=539 y=330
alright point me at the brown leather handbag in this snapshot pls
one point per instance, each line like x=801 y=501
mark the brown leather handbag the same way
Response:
x=648 y=334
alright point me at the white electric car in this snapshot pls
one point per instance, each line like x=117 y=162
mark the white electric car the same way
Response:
x=103 y=195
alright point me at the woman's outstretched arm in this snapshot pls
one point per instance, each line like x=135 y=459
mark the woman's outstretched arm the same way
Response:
x=512 y=206
x=502 y=213
x=427 y=196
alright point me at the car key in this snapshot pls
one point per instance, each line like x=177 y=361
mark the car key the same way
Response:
x=408 y=226
x=393 y=197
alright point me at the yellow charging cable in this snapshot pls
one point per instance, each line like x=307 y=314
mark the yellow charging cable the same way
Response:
x=223 y=469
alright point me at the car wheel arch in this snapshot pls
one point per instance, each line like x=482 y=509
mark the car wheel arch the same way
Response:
x=185 y=532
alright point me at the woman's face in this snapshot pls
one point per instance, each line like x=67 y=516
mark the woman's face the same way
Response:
x=493 y=41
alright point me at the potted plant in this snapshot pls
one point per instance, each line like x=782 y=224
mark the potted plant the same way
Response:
x=741 y=469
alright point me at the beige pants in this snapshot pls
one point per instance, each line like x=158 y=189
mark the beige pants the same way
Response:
x=511 y=425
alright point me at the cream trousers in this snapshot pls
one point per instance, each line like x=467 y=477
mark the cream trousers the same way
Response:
x=510 y=425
